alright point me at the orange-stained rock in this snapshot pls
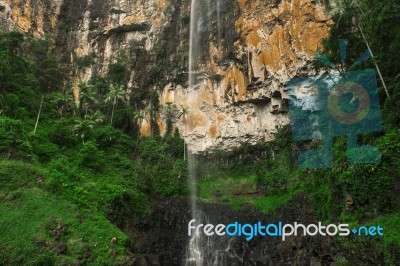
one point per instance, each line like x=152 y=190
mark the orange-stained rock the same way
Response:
x=195 y=119
x=213 y=131
x=145 y=129
x=30 y=16
x=282 y=32
x=241 y=90
x=235 y=85
x=278 y=39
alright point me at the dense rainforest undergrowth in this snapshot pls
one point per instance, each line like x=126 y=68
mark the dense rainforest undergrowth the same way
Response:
x=70 y=174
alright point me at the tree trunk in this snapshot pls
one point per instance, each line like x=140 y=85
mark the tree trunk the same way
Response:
x=38 y=116
x=376 y=64
x=184 y=141
x=138 y=135
x=112 y=113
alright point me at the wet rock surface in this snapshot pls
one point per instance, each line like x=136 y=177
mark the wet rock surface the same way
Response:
x=162 y=238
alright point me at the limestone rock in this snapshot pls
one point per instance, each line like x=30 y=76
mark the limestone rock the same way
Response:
x=251 y=49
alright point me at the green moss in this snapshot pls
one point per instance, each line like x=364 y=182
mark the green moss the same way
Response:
x=268 y=204
x=33 y=220
x=391 y=231
x=239 y=192
x=15 y=175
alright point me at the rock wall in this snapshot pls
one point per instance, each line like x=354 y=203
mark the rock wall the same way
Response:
x=162 y=238
x=275 y=42
x=252 y=49
x=36 y=17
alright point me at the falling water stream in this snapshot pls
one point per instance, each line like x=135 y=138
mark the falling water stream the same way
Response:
x=201 y=250
x=194 y=252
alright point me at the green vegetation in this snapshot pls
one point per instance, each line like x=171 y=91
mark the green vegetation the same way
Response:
x=65 y=188
x=185 y=19
x=373 y=188
x=239 y=192
x=85 y=61
x=37 y=224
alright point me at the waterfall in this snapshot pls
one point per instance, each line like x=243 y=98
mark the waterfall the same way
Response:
x=201 y=250
x=194 y=255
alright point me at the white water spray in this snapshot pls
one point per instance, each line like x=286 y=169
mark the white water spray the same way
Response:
x=201 y=250
x=194 y=255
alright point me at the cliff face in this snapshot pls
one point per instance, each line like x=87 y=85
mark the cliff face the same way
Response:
x=247 y=104
x=248 y=52
x=35 y=17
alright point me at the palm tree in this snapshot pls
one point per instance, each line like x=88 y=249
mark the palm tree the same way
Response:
x=183 y=113
x=87 y=95
x=116 y=93
x=97 y=117
x=171 y=113
x=139 y=115
x=62 y=101
x=171 y=110
x=82 y=127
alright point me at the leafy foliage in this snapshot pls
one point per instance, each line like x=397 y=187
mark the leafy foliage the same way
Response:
x=85 y=61
x=78 y=172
